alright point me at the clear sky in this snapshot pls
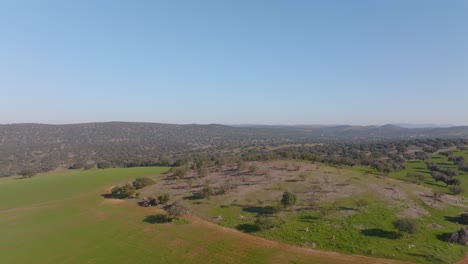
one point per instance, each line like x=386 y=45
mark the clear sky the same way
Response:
x=234 y=62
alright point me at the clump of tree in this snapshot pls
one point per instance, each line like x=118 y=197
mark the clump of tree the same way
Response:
x=463 y=167
x=178 y=209
x=121 y=192
x=448 y=180
x=142 y=182
x=288 y=199
x=457 y=160
x=406 y=225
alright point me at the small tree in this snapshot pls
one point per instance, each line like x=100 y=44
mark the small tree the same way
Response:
x=164 y=198
x=103 y=165
x=457 y=190
x=362 y=203
x=288 y=199
x=464 y=219
x=142 y=182
x=203 y=172
x=265 y=222
x=28 y=173
x=406 y=225
x=207 y=192
x=122 y=192
x=178 y=209
x=252 y=168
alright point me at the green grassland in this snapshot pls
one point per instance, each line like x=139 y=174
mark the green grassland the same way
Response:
x=62 y=218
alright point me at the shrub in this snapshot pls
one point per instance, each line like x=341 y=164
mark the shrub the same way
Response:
x=457 y=190
x=416 y=175
x=164 y=198
x=464 y=218
x=362 y=203
x=122 y=192
x=178 y=209
x=406 y=225
x=27 y=173
x=264 y=222
x=288 y=199
x=140 y=183
x=206 y=192
x=463 y=167
x=252 y=168
x=103 y=165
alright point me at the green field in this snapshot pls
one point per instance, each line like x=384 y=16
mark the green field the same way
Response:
x=62 y=218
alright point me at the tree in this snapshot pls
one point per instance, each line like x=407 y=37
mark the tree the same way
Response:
x=265 y=222
x=288 y=199
x=206 y=192
x=122 y=192
x=464 y=219
x=103 y=165
x=362 y=203
x=27 y=173
x=452 y=181
x=457 y=190
x=178 y=209
x=164 y=198
x=406 y=225
x=77 y=165
x=142 y=182
x=202 y=172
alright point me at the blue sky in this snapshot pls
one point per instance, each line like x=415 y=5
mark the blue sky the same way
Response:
x=234 y=62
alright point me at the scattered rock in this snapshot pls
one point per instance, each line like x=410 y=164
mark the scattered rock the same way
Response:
x=459 y=237
x=434 y=225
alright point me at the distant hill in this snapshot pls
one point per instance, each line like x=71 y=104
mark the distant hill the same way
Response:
x=49 y=146
x=405 y=125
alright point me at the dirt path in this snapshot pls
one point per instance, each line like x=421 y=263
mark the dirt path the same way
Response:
x=338 y=257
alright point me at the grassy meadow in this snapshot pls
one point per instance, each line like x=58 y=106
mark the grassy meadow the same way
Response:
x=62 y=218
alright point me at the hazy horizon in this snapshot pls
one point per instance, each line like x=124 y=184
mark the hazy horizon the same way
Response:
x=234 y=62
x=406 y=125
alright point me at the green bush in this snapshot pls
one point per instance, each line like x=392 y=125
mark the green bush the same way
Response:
x=406 y=225
x=140 y=183
x=164 y=198
x=456 y=190
x=264 y=222
x=122 y=192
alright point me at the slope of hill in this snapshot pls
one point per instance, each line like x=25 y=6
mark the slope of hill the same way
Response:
x=45 y=147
